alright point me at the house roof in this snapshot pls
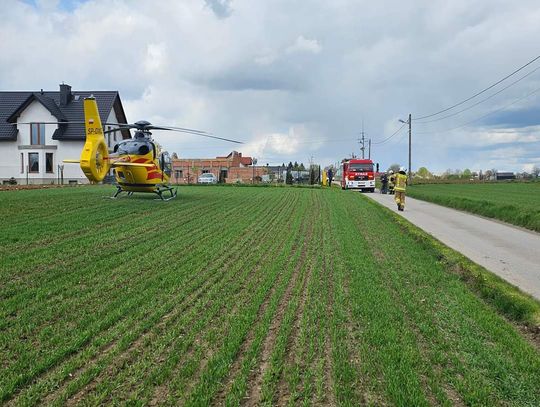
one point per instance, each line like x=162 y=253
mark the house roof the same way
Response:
x=12 y=104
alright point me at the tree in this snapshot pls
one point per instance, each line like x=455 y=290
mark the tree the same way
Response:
x=423 y=172
x=394 y=167
x=295 y=166
x=467 y=173
x=288 y=176
x=302 y=168
x=174 y=156
x=535 y=171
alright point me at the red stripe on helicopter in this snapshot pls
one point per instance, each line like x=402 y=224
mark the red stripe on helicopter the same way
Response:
x=145 y=161
x=153 y=175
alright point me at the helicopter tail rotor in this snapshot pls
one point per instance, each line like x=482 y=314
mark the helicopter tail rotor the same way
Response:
x=95 y=155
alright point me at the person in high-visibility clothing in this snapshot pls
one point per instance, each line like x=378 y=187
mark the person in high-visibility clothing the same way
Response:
x=399 y=188
x=391 y=181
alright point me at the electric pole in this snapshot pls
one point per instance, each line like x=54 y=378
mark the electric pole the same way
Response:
x=409 y=122
x=369 y=149
x=410 y=145
x=362 y=141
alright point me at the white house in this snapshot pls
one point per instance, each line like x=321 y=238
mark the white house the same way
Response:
x=40 y=129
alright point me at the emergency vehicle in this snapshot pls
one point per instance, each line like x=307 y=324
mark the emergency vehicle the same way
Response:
x=358 y=174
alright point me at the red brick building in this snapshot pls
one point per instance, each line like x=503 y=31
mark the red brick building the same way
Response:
x=230 y=169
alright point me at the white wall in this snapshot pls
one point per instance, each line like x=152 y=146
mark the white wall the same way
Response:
x=10 y=151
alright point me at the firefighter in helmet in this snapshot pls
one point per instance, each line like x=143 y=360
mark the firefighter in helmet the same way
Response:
x=391 y=181
x=399 y=188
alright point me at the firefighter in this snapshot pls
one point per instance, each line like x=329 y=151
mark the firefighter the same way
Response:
x=330 y=175
x=391 y=181
x=384 y=183
x=399 y=188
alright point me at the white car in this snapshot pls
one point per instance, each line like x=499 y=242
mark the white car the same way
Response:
x=207 y=178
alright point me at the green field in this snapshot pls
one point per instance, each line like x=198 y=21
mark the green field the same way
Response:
x=241 y=296
x=513 y=202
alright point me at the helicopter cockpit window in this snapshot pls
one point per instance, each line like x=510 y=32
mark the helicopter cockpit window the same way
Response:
x=135 y=147
x=165 y=163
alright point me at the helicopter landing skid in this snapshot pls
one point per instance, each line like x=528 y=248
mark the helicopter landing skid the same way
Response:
x=119 y=190
x=160 y=191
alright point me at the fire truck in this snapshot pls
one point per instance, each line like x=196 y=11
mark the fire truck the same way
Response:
x=358 y=174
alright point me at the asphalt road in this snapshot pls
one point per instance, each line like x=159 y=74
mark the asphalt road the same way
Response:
x=510 y=252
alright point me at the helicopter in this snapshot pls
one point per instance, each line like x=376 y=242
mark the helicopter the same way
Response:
x=139 y=163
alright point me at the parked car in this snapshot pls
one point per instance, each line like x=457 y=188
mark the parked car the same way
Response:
x=207 y=179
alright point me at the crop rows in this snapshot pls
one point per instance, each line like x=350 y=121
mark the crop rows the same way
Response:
x=240 y=296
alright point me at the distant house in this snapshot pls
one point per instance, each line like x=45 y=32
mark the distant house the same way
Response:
x=233 y=168
x=501 y=176
x=33 y=145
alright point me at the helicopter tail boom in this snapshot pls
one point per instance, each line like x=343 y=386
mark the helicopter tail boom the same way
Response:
x=128 y=164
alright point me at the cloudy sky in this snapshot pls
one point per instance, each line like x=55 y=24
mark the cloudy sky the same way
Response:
x=296 y=79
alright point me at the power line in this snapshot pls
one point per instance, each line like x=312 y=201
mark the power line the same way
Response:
x=389 y=137
x=481 y=101
x=483 y=116
x=479 y=93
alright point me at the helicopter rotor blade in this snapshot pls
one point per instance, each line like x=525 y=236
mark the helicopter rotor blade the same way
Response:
x=149 y=126
x=199 y=133
x=118 y=129
x=15 y=124
x=181 y=129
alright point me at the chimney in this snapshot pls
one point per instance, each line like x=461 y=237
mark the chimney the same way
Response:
x=65 y=94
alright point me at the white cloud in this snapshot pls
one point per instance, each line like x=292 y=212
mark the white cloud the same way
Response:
x=304 y=45
x=156 y=58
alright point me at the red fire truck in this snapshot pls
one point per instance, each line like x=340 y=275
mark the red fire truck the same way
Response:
x=358 y=174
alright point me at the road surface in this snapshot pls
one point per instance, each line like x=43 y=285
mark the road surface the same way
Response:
x=508 y=251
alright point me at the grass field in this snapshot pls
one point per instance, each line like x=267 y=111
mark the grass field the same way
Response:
x=241 y=296
x=517 y=203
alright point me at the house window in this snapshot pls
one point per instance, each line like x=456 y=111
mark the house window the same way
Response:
x=33 y=162
x=22 y=163
x=37 y=134
x=49 y=162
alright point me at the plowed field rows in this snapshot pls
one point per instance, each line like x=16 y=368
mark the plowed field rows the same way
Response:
x=240 y=296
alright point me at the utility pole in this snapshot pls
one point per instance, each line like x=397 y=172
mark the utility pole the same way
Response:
x=369 y=149
x=362 y=141
x=410 y=145
x=409 y=122
x=254 y=162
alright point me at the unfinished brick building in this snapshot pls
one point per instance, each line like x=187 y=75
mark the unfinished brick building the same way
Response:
x=230 y=169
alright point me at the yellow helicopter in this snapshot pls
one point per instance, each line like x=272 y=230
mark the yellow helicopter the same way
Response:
x=138 y=163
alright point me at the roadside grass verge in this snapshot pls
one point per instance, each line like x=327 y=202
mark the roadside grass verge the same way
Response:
x=515 y=203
